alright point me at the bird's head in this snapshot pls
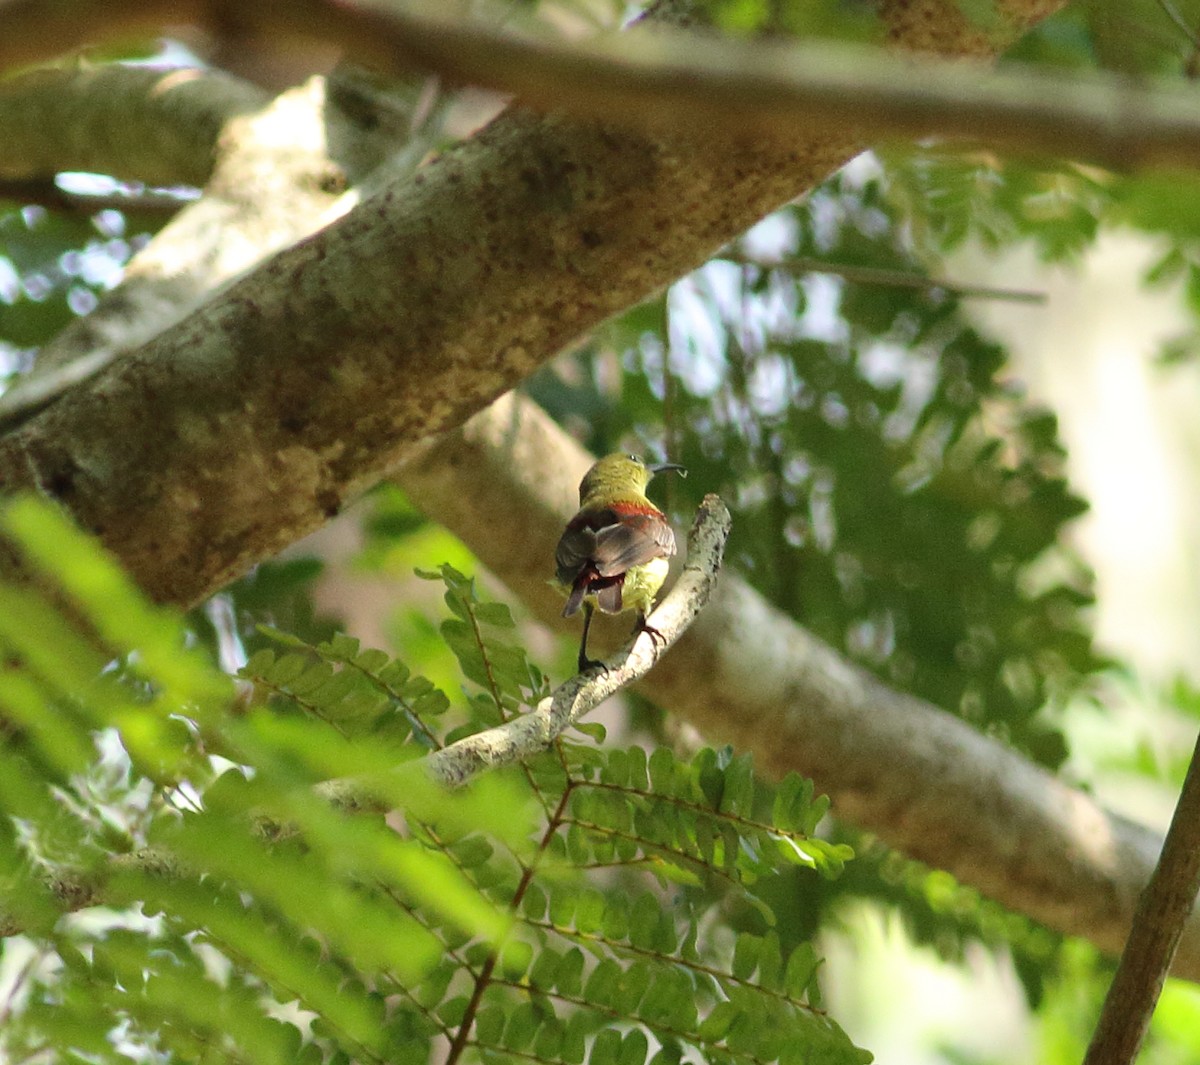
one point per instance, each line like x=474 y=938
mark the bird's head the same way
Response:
x=616 y=476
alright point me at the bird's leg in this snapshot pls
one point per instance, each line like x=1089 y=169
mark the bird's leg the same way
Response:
x=586 y=663
x=650 y=630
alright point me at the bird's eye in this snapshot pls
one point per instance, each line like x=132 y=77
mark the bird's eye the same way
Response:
x=635 y=458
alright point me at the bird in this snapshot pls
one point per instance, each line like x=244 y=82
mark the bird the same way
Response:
x=613 y=555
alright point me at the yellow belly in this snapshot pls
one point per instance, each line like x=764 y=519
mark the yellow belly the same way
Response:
x=642 y=584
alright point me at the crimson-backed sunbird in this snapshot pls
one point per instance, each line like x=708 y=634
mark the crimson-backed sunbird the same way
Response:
x=613 y=553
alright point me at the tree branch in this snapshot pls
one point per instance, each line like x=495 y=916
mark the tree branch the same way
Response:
x=533 y=732
x=1158 y=925
x=46 y=192
x=924 y=781
x=75 y=889
x=686 y=81
x=275 y=174
x=885 y=278
x=136 y=123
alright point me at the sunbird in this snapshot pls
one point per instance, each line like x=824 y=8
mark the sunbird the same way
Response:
x=613 y=553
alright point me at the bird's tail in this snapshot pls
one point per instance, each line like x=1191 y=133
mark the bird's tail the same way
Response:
x=575 y=599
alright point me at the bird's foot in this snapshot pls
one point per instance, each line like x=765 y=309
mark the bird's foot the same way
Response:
x=586 y=663
x=656 y=637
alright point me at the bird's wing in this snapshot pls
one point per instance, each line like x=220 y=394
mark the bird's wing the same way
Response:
x=632 y=541
x=575 y=549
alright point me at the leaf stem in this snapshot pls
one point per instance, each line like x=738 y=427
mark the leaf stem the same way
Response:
x=484 y=978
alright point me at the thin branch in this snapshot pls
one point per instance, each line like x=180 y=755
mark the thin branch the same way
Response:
x=1181 y=24
x=484 y=976
x=532 y=733
x=871 y=275
x=1162 y=913
x=76 y=889
x=686 y=81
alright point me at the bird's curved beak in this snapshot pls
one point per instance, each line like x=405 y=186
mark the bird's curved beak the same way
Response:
x=662 y=467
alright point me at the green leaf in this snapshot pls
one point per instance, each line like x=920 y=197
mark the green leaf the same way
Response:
x=489 y=1025
x=577 y=845
x=278 y=958
x=631 y=987
x=738 y=796
x=715 y=1026
x=574 y=1048
x=616 y=917
x=310 y=679
x=452 y=1013
x=341 y=646
x=515 y=958
x=662 y=771
x=634 y=1048
x=287 y=669
x=562 y=908
x=570 y=973
x=745 y=956
x=643 y=922
x=602 y=983
x=606 y=1050
x=533 y=905
x=472 y=851
x=638 y=774
x=371 y=660
x=120 y=613
x=801 y=966
x=770 y=963
x=589 y=912
x=496 y=614
x=522 y=1026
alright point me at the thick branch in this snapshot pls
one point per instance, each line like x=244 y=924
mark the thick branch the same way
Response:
x=277 y=174
x=155 y=126
x=533 y=732
x=746 y=674
x=249 y=423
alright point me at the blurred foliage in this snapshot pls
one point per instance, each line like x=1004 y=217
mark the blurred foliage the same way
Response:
x=943 y=914
x=1063 y=1027
x=261 y=907
x=54 y=265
